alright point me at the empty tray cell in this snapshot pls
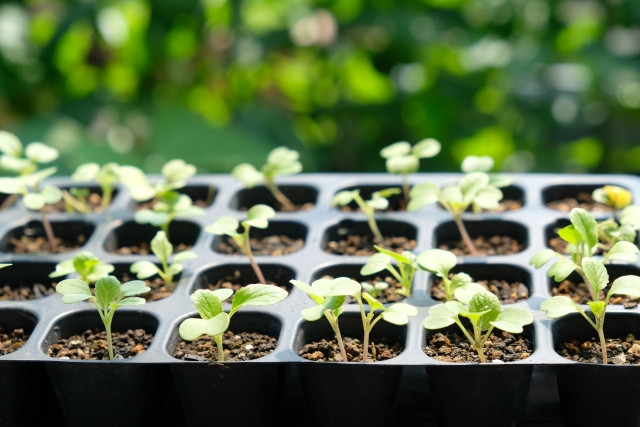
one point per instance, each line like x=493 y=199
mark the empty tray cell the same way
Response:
x=235 y=276
x=490 y=237
x=24 y=280
x=131 y=238
x=302 y=196
x=354 y=238
x=279 y=238
x=30 y=238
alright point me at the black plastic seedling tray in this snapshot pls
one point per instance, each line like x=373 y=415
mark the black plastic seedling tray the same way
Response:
x=49 y=318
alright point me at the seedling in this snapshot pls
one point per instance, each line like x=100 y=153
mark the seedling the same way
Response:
x=374 y=289
x=214 y=321
x=175 y=174
x=379 y=200
x=24 y=162
x=107 y=178
x=406 y=268
x=109 y=296
x=440 y=263
x=163 y=249
x=615 y=197
x=484 y=164
x=484 y=312
x=89 y=267
x=611 y=231
x=403 y=159
x=330 y=295
x=258 y=216
x=582 y=238
x=172 y=205
x=280 y=161
x=473 y=190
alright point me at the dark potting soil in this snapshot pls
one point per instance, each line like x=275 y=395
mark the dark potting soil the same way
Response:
x=493 y=245
x=93 y=200
x=580 y=294
x=26 y=291
x=357 y=245
x=582 y=200
x=40 y=244
x=507 y=292
x=454 y=347
x=620 y=351
x=268 y=245
x=328 y=350
x=159 y=289
x=11 y=341
x=92 y=345
x=388 y=295
x=236 y=281
x=144 y=248
x=238 y=347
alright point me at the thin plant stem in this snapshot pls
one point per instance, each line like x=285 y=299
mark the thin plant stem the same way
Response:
x=377 y=235
x=107 y=328
x=287 y=205
x=405 y=191
x=48 y=231
x=9 y=201
x=333 y=321
x=218 y=340
x=107 y=194
x=465 y=236
x=252 y=261
x=478 y=343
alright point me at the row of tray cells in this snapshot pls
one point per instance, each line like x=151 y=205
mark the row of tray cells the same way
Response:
x=27 y=280
x=304 y=197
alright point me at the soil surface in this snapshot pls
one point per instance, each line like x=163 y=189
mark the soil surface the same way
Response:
x=619 y=351
x=144 y=248
x=507 y=292
x=357 y=245
x=158 y=290
x=582 y=200
x=236 y=347
x=493 y=245
x=268 y=245
x=388 y=295
x=11 y=341
x=580 y=294
x=92 y=345
x=26 y=291
x=94 y=199
x=235 y=282
x=40 y=244
x=454 y=347
x=328 y=351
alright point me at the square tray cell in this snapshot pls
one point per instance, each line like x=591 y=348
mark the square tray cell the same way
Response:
x=232 y=275
x=568 y=196
x=201 y=195
x=279 y=238
x=93 y=199
x=24 y=280
x=30 y=238
x=395 y=201
x=302 y=196
x=133 y=238
x=513 y=237
x=354 y=238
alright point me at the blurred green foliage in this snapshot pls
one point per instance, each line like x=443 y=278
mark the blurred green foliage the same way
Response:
x=540 y=85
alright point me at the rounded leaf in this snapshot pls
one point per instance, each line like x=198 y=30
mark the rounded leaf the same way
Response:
x=177 y=170
x=10 y=144
x=144 y=269
x=401 y=307
x=247 y=174
x=437 y=322
x=86 y=172
x=207 y=302
x=542 y=257
x=224 y=225
x=626 y=285
x=343 y=198
x=257 y=294
x=73 y=290
x=558 y=306
x=437 y=261
x=477 y=164
x=402 y=164
x=401 y=148
x=512 y=319
x=258 y=216
x=51 y=194
x=191 y=329
x=40 y=153
x=624 y=251
x=395 y=318
x=428 y=147
x=33 y=201
x=161 y=246
x=376 y=263
x=423 y=194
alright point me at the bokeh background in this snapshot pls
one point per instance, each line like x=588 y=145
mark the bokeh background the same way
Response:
x=541 y=85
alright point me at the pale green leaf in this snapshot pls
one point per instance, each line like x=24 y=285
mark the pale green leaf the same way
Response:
x=401 y=148
x=191 y=329
x=426 y=148
x=631 y=216
x=626 y=285
x=512 y=319
x=33 y=201
x=395 y=318
x=402 y=164
x=586 y=225
x=106 y=289
x=63 y=268
x=161 y=246
x=378 y=203
x=12 y=185
x=558 y=306
x=257 y=294
x=86 y=172
x=596 y=273
x=224 y=225
x=258 y=216
x=10 y=144
x=73 y=290
x=542 y=257
x=311 y=314
x=477 y=164
x=38 y=152
x=247 y=174
x=561 y=269
x=131 y=301
x=623 y=251
x=373 y=303
x=423 y=194
x=437 y=322
x=437 y=261
x=134 y=287
x=183 y=256
x=342 y=198
x=178 y=170
x=51 y=194
x=147 y=216
x=207 y=303
x=376 y=263
x=144 y=269
x=401 y=307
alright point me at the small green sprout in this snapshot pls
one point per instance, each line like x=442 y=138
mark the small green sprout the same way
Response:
x=163 y=249
x=86 y=265
x=403 y=159
x=257 y=216
x=374 y=289
x=28 y=183
x=172 y=205
x=330 y=295
x=484 y=164
x=615 y=197
x=107 y=178
x=483 y=310
x=379 y=200
x=214 y=321
x=175 y=174
x=280 y=161
x=625 y=228
x=109 y=296
x=582 y=238
x=473 y=190
x=440 y=263
x=404 y=272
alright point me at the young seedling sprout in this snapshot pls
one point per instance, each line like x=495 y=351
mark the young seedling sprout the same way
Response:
x=163 y=249
x=86 y=265
x=440 y=263
x=257 y=216
x=330 y=295
x=615 y=197
x=172 y=205
x=107 y=178
x=379 y=200
x=473 y=190
x=406 y=268
x=28 y=183
x=625 y=218
x=280 y=161
x=214 y=320
x=175 y=174
x=582 y=238
x=109 y=296
x=403 y=159
x=483 y=310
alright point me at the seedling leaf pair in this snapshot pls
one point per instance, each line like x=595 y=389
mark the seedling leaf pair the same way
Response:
x=89 y=267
